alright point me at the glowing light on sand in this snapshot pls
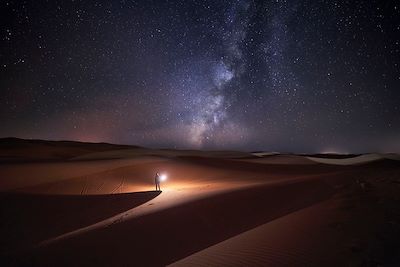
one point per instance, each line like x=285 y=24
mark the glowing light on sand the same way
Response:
x=163 y=177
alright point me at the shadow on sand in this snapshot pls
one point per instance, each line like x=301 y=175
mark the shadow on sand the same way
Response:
x=160 y=238
x=27 y=219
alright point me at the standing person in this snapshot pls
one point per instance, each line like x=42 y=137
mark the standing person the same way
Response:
x=157 y=181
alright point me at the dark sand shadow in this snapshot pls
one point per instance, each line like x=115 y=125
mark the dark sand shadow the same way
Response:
x=161 y=238
x=27 y=219
x=276 y=169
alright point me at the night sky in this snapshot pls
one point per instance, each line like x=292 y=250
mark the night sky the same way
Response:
x=289 y=76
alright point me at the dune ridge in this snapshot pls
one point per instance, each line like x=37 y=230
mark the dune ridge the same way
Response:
x=224 y=208
x=172 y=236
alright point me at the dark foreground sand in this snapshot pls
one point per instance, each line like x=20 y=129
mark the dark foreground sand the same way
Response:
x=216 y=209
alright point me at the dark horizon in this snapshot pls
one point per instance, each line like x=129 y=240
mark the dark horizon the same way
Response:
x=12 y=138
x=296 y=76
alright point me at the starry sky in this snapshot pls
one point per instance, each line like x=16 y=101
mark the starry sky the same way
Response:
x=283 y=75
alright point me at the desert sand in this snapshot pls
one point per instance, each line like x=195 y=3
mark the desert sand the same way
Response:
x=80 y=204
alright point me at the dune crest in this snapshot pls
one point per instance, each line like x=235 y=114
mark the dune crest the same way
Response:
x=217 y=208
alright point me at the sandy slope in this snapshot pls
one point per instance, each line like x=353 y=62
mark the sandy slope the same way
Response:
x=106 y=176
x=263 y=154
x=215 y=210
x=28 y=219
x=362 y=159
x=20 y=150
x=68 y=203
x=281 y=159
x=356 y=227
x=287 y=241
x=165 y=153
x=16 y=176
x=173 y=228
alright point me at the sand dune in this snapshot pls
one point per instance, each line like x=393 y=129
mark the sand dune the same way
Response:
x=20 y=150
x=286 y=241
x=165 y=153
x=167 y=229
x=29 y=219
x=339 y=231
x=392 y=156
x=216 y=209
x=281 y=159
x=263 y=154
x=15 y=176
x=137 y=175
x=362 y=159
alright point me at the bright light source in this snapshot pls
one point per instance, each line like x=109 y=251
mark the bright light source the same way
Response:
x=163 y=177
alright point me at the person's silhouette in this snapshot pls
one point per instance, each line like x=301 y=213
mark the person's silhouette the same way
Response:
x=157 y=179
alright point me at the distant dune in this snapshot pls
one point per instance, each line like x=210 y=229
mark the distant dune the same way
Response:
x=361 y=159
x=21 y=150
x=64 y=203
x=281 y=159
x=166 y=153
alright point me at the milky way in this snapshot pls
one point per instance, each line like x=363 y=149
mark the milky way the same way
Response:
x=211 y=116
x=290 y=76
